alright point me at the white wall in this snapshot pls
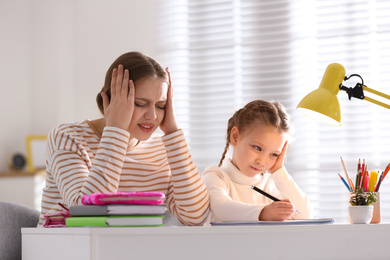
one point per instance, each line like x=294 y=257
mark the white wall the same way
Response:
x=53 y=58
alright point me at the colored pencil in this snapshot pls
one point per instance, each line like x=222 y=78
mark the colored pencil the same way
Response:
x=357 y=175
x=386 y=170
x=345 y=183
x=353 y=186
x=379 y=183
x=346 y=174
x=361 y=175
x=367 y=179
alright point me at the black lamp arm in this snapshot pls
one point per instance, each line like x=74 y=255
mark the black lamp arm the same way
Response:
x=357 y=91
x=354 y=75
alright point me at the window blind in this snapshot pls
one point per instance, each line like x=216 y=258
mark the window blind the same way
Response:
x=223 y=54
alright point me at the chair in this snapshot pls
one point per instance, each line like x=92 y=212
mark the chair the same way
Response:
x=12 y=218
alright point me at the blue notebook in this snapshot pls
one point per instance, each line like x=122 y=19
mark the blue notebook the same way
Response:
x=286 y=222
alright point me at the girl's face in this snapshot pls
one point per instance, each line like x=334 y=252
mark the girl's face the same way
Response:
x=256 y=150
x=149 y=107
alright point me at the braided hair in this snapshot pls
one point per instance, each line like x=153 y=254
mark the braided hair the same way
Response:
x=258 y=112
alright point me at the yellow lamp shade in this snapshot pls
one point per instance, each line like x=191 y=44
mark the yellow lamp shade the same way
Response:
x=322 y=104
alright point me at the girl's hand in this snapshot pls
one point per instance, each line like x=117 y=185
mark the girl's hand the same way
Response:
x=277 y=211
x=169 y=124
x=119 y=110
x=280 y=161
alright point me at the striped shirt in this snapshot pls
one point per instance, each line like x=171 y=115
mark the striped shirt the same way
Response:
x=80 y=161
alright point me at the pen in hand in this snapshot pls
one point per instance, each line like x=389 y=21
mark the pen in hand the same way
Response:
x=268 y=195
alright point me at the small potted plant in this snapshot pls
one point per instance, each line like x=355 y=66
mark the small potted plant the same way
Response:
x=361 y=208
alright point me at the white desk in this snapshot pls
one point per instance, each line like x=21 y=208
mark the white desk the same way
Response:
x=331 y=241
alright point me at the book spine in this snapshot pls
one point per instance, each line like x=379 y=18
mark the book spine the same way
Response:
x=86 y=222
x=89 y=210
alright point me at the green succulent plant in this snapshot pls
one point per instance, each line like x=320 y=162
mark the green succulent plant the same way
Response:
x=362 y=198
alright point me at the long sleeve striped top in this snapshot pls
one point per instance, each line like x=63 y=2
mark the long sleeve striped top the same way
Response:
x=80 y=161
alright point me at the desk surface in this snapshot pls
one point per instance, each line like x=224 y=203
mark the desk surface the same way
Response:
x=328 y=241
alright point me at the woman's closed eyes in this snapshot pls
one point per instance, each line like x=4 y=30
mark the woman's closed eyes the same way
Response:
x=159 y=106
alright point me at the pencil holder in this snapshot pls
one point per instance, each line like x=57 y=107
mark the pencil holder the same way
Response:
x=376 y=216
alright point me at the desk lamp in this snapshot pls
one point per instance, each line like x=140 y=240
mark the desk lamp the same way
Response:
x=322 y=104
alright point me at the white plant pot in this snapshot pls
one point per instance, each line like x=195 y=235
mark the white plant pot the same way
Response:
x=361 y=214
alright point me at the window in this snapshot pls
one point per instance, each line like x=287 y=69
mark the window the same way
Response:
x=223 y=54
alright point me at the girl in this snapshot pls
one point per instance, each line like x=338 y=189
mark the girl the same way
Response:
x=259 y=133
x=119 y=151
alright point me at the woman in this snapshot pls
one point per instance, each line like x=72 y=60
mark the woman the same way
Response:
x=119 y=151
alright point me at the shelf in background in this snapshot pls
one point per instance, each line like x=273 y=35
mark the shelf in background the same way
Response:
x=21 y=173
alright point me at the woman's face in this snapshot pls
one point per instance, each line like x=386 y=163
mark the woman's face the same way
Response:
x=149 y=107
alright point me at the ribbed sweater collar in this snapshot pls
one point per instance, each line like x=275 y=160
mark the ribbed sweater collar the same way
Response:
x=237 y=176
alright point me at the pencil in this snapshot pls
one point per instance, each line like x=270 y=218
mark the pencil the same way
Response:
x=379 y=182
x=62 y=205
x=345 y=183
x=346 y=174
x=265 y=193
x=362 y=173
x=366 y=182
x=357 y=176
x=353 y=186
x=386 y=170
x=268 y=195
x=363 y=185
x=359 y=166
x=383 y=175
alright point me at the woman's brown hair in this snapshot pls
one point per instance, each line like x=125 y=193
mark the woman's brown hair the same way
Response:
x=259 y=112
x=139 y=65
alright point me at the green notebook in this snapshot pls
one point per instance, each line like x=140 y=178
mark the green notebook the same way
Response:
x=115 y=221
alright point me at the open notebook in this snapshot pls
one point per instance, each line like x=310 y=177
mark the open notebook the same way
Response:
x=286 y=222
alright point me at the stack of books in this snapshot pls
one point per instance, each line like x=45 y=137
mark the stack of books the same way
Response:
x=119 y=209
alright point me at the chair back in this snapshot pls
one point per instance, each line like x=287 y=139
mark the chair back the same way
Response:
x=12 y=218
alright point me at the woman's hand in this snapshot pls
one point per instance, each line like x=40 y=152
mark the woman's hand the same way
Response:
x=280 y=161
x=277 y=211
x=169 y=124
x=119 y=110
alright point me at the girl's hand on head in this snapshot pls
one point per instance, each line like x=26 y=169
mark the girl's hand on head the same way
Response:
x=119 y=110
x=277 y=211
x=169 y=124
x=280 y=161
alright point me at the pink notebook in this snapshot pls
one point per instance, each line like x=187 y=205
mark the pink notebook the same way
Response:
x=56 y=219
x=145 y=198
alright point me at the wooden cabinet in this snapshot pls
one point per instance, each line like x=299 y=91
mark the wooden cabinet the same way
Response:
x=22 y=187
